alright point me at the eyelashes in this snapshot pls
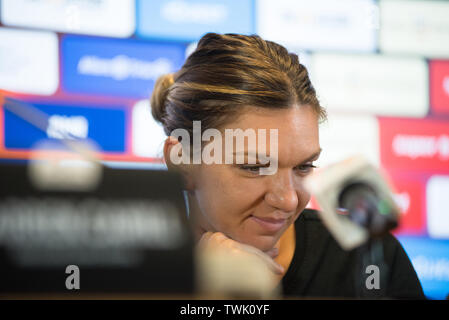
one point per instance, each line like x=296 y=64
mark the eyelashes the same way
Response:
x=252 y=169
x=306 y=168
x=302 y=169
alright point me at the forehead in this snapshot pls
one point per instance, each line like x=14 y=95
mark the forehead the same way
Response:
x=297 y=128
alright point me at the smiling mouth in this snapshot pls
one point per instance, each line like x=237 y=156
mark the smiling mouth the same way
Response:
x=269 y=224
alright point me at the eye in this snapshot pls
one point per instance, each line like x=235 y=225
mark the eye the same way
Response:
x=305 y=168
x=254 y=169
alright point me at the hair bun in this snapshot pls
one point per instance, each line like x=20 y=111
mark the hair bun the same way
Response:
x=159 y=96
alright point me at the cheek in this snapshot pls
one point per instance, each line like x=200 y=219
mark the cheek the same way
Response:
x=303 y=196
x=209 y=195
x=223 y=198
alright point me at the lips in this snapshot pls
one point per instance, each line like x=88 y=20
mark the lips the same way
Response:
x=269 y=224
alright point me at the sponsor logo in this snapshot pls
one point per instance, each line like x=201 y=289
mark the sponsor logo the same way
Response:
x=29 y=61
x=377 y=85
x=409 y=197
x=418 y=27
x=438 y=206
x=402 y=200
x=430 y=258
x=189 y=20
x=346 y=25
x=67 y=122
x=446 y=85
x=432 y=268
x=417 y=146
x=414 y=144
x=148 y=135
x=67 y=127
x=95 y=17
x=439 y=86
x=201 y=13
x=117 y=67
x=122 y=67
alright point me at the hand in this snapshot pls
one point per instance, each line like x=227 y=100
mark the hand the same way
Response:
x=217 y=240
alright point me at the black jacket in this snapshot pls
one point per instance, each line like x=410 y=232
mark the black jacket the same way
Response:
x=320 y=268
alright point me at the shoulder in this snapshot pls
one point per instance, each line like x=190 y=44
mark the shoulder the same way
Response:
x=310 y=221
x=310 y=215
x=311 y=232
x=329 y=270
x=311 y=226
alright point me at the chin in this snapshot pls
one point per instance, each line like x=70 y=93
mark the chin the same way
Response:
x=262 y=242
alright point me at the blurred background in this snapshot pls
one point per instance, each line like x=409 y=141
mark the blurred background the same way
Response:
x=381 y=68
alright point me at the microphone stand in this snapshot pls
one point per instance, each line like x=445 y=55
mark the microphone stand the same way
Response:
x=368 y=211
x=372 y=272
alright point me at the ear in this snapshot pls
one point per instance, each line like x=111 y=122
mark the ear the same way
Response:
x=171 y=145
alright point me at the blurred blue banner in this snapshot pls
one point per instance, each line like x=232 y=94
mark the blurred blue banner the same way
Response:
x=189 y=20
x=87 y=122
x=430 y=258
x=126 y=68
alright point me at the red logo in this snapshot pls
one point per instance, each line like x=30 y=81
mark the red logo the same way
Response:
x=414 y=144
x=439 y=86
x=409 y=195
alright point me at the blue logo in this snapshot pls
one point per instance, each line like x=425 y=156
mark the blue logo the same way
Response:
x=116 y=67
x=105 y=126
x=188 y=20
x=430 y=258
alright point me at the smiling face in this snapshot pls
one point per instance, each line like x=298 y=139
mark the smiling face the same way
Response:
x=251 y=208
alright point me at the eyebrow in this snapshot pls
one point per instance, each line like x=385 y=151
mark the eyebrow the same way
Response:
x=313 y=156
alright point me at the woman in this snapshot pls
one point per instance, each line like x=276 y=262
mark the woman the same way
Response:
x=243 y=82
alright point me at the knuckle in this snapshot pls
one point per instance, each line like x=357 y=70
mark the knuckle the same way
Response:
x=218 y=236
x=230 y=243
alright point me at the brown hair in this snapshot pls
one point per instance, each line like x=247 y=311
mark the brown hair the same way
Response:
x=226 y=73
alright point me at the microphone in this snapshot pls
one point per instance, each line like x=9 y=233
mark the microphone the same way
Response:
x=357 y=187
x=366 y=209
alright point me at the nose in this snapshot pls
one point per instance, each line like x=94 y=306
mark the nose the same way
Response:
x=282 y=193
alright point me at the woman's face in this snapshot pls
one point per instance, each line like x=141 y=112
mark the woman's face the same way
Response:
x=251 y=208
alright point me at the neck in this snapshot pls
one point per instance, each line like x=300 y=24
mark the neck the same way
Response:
x=287 y=244
x=193 y=212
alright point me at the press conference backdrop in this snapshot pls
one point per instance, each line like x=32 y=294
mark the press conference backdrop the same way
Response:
x=381 y=68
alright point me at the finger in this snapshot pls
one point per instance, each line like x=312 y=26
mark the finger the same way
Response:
x=211 y=240
x=204 y=240
x=218 y=238
x=273 y=253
